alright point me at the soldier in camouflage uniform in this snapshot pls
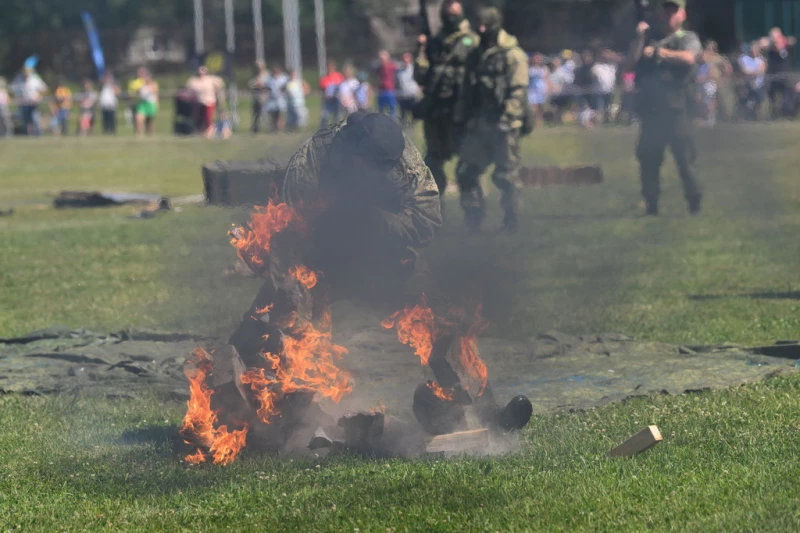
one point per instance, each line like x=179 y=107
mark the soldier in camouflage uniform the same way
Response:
x=665 y=62
x=440 y=70
x=369 y=202
x=498 y=88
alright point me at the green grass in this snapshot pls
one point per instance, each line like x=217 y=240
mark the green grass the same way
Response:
x=584 y=261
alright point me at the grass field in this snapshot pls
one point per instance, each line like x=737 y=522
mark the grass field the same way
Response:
x=584 y=261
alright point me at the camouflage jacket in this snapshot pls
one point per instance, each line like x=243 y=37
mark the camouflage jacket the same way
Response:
x=441 y=71
x=403 y=209
x=498 y=83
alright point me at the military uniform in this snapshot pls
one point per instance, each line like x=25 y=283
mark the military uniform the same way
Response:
x=665 y=105
x=440 y=70
x=498 y=96
x=361 y=227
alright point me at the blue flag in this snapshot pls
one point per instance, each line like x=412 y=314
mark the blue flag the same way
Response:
x=94 y=42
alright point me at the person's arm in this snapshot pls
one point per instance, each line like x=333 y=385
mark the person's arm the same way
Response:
x=637 y=49
x=516 y=100
x=692 y=48
x=422 y=66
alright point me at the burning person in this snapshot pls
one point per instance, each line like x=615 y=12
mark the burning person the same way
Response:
x=364 y=201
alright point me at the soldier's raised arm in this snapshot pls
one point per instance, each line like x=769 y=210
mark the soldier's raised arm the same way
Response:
x=422 y=65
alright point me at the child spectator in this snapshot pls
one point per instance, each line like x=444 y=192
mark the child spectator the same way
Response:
x=408 y=92
x=604 y=72
x=60 y=108
x=753 y=68
x=364 y=91
x=147 y=106
x=258 y=90
x=276 y=99
x=329 y=84
x=109 y=100
x=538 y=87
x=387 y=75
x=297 y=112
x=88 y=101
x=347 y=91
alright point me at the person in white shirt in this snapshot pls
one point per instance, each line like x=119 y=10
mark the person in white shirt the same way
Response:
x=33 y=89
x=347 y=91
x=753 y=68
x=276 y=99
x=297 y=112
x=605 y=76
x=538 y=87
x=408 y=91
x=109 y=100
x=6 y=128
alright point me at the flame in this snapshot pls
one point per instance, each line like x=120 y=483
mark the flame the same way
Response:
x=199 y=421
x=253 y=240
x=307 y=364
x=264 y=310
x=304 y=275
x=439 y=392
x=416 y=326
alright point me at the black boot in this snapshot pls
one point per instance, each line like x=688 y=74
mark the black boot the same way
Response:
x=651 y=208
x=473 y=219
x=510 y=222
x=695 y=205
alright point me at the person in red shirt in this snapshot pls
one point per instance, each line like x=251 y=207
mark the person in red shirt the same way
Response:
x=329 y=84
x=387 y=75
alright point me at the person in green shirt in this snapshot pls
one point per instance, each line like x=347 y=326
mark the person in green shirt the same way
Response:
x=665 y=60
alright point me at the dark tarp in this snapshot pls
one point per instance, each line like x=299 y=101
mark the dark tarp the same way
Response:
x=556 y=371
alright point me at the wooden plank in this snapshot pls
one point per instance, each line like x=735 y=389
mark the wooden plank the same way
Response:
x=459 y=442
x=642 y=441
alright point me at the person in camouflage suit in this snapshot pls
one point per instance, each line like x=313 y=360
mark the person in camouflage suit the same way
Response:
x=368 y=202
x=665 y=61
x=497 y=93
x=440 y=69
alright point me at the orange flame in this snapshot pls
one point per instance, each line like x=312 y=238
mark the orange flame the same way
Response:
x=253 y=240
x=264 y=310
x=199 y=421
x=416 y=326
x=307 y=364
x=439 y=392
x=304 y=275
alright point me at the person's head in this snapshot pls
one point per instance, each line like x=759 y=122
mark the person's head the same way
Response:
x=566 y=55
x=587 y=57
x=141 y=72
x=27 y=72
x=276 y=70
x=384 y=56
x=108 y=77
x=452 y=14
x=776 y=34
x=408 y=58
x=331 y=66
x=673 y=14
x=145 y=75
x=711 y=46
x=362 y=76
x=349 y=71
x=261 y=66
x=537 y=59
x=202 y=70
x=366 y=148
x=556 y=63
x=293 y=74
x=88 y=85
x=490 y=22
x=755 y=49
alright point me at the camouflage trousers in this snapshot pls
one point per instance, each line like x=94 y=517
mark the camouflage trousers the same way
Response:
x=442 y=138
x=675 y=131
x=483 y=146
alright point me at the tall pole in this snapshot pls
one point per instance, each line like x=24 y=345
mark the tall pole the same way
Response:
x=230 y=48
x=322 y=52
x=291 y=35
x=258 y=30
x=199 y=38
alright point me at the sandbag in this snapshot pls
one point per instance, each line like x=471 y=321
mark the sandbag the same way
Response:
x=241 y=183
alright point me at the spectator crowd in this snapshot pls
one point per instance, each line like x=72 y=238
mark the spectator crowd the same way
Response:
x=588 y=88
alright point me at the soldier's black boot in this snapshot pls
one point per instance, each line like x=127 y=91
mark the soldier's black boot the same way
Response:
x=473 y=219
x=651 y=208
x=510 y=222
x=695 y=204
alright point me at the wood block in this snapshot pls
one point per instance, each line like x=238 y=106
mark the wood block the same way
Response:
x=642 y=441
x=459 y=442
